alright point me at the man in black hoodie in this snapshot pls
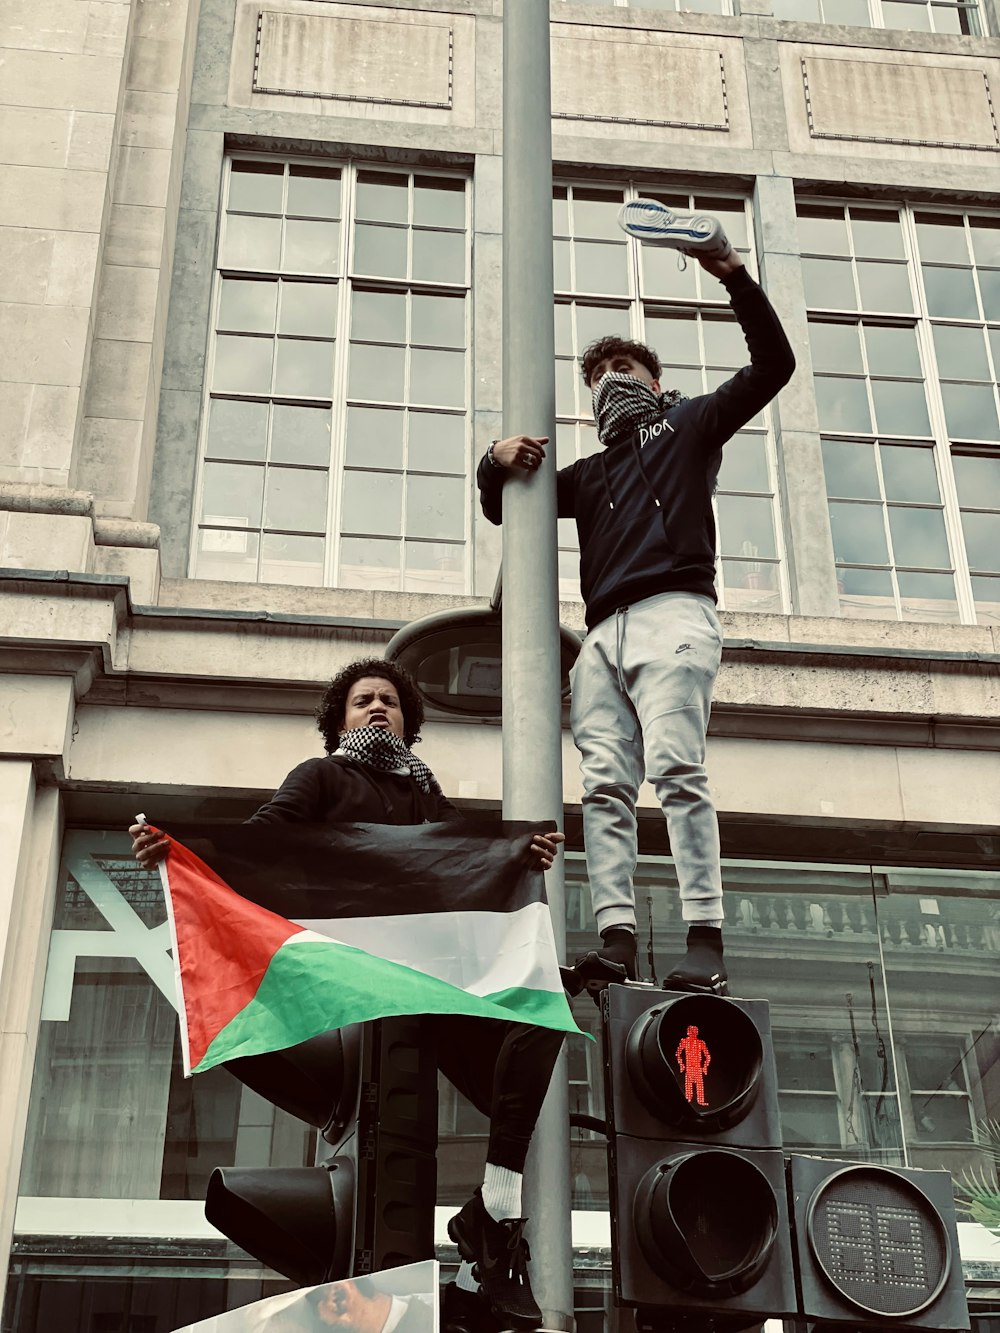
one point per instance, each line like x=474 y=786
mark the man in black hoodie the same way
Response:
x=642 y=687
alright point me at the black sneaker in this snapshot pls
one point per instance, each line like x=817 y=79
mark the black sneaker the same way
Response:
x=499 y=1255
x=615 y=960
x=466 y=1312
x=702 y=970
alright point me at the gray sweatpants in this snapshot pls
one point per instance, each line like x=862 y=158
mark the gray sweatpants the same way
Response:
x=642 y=692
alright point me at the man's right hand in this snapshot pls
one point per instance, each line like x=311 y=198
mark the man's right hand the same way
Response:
x=149 y=845
x=523 y=451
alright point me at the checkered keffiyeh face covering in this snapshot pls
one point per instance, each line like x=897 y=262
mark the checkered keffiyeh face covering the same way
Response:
x=380 y=748
x=623 y=403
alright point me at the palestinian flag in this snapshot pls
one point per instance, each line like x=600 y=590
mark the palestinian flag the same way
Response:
x=281 y=932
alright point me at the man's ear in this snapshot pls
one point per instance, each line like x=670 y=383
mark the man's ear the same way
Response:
x=655 y=386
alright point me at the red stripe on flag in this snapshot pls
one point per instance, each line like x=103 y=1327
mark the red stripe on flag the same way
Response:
x=224 y=943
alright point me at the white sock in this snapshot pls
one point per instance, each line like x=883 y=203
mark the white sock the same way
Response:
x=465 y=1280
x=502 y=1192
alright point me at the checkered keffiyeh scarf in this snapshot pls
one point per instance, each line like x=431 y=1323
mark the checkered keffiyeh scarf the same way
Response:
x=380 y=748
x=623 y=403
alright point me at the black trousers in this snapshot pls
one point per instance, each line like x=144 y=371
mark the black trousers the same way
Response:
x=504 y=1071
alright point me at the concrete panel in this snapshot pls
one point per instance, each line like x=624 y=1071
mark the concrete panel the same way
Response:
x=143 y=176
x=47 y=198
x=126 y=303
x=25 y=258
x=56 y=79
x=34 y=137
x=148 y=119
x=154 y=65
x=15 y=405
x=142 y=568
x=107 y=27
x=118 y=379
x=44 y=25
x=43 y=344
x=401 y=63
x=46 y=541
x=134 y=237
x=74 y=268
x=884 y=102
x=36 y=717
x=48 y=441
x=174 y=464
x=108 y=459
x=950 y=787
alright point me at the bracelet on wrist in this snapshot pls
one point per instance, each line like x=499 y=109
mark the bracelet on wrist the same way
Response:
x=489 y=454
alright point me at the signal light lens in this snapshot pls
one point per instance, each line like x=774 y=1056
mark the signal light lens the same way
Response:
x=707 y=1218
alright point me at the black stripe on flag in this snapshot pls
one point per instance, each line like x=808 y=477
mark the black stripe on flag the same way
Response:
x=310 y=872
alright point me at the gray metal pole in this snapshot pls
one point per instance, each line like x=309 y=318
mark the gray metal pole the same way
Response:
x=532 y=713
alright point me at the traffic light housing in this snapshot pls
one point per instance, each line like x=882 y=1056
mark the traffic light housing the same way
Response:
x=699 y=1213
x=371 y=1090
x=875 y=1246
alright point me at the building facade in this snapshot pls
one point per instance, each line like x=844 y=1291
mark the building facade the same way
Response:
x=250 y=298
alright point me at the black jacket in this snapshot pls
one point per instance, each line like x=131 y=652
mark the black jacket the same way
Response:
x=339 y=790
x=643 y=508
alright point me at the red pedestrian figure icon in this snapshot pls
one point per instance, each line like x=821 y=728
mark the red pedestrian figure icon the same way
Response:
x=693 y=1058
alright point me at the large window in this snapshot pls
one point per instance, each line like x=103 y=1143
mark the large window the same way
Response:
x=335 y=429
x=905 y=337
x=607 y=284
x=953 y=16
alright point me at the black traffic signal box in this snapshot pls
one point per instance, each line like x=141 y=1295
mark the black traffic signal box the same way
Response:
x=371 y=1091
x=876 y=1246
x=699 y=1214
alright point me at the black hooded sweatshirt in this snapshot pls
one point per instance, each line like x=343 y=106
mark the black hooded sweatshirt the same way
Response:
x=643 y=507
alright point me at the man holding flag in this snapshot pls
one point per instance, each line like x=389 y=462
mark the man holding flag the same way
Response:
x=370 y=716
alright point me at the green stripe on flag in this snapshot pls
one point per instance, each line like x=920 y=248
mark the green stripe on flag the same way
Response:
x=313 y=985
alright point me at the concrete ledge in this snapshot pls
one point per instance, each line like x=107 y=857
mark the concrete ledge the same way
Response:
x=20 y=498
x=126 y=532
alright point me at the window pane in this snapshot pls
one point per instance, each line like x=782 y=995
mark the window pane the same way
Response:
x=313 y=192
x=375 y=437
x=843 y=405
x=989 y=286
x=942 y=236
x=438 y=256
x=594 y=322
x=601 y=267
x=835 y=347
x=900 y=408
x=566 y=389
x=373 y=503
x=309 y=308
x=236 y=429
x=376 y=372
x=676 y=335
x=978 y=481
x=744 y=464
x=312 y=247
x=877 y=235
x=563 y=329
x=300 y=434
x=987 y=595
x=858 y=534
x=246 y=306
x=986 y=240
x=724 y=342
x=382 y=196
x=295 y=498
x=436 y=443
x=560 y=211
x=433 y=567
x=829 y=284
x=380 y=250
x=253 y=243
x=242 y=365
x=884 y=286
x=892 y=351
x=435 y=507
x=661 y=275
x=288 y=559
x=229 y=556
x=970 y=411
x=928 y=596
x=379 y=316
x=866 y=594
x=960 y=353
x=821 y=230
x=850 y=470
x=918 y=537
x=438 y=320
x=255 y=187
x=438 y=201
x=909 y=474
x=437 y=377
x=847 y=11
x=560 y=265
x=914 y=18
x=232 y=495
x=365 y=563
x=304 y=369
x=730 y=213
x=982 y=540
x=595 y=213
x=950 y=292
x=746 y=526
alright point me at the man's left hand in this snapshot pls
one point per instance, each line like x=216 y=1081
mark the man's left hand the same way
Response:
x=544 y=846
x=718 y=267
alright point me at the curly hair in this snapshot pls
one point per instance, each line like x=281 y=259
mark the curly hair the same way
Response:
x=333 y=705
x=604 y=348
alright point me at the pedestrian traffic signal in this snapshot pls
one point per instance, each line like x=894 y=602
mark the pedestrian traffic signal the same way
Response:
x=876 y=1246
x=699 y=1211
x=371 y=1091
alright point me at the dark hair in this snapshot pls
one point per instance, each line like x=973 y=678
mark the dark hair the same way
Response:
x=603 y=348
x=333 y=705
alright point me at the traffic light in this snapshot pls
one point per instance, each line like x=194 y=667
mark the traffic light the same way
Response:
x=371 y=1091
x=876 y=1246
x=699 y=1212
